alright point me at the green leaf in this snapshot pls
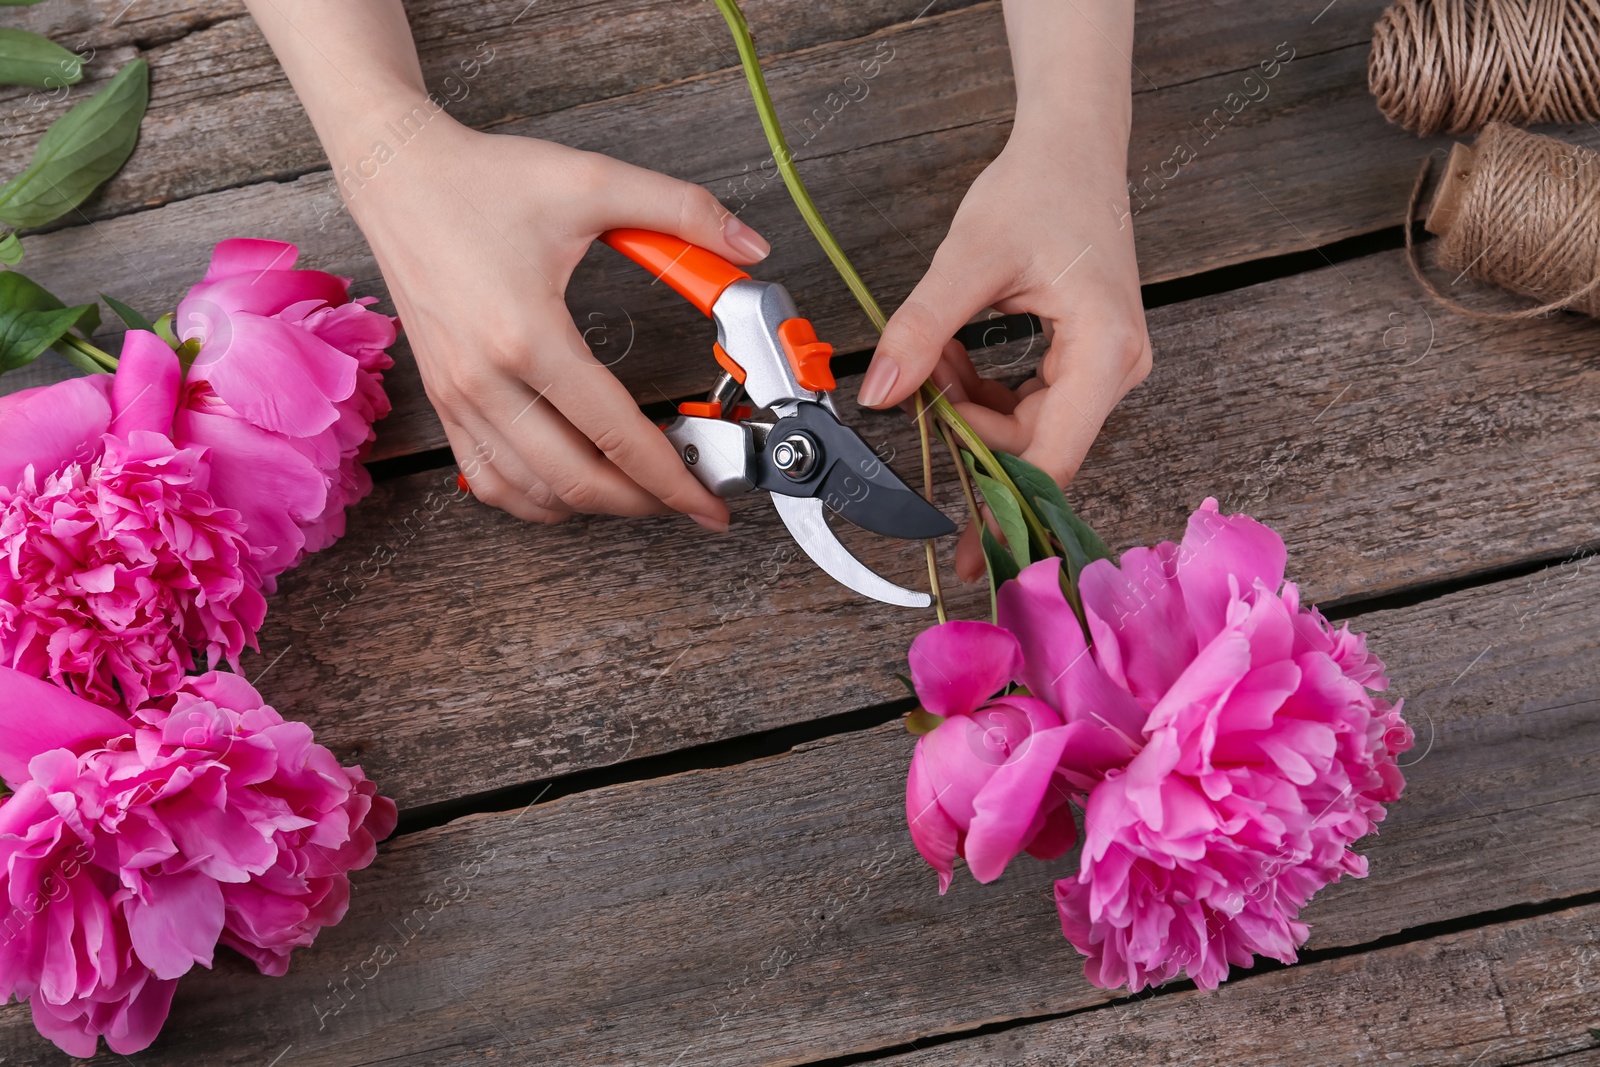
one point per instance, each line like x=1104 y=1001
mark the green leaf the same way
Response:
x=27 y=310
x=1041 y=489
x=79 y=151
x=11 y=249
x=28 y=59
x=1008 y=513
x=1072 y=547
x=29 y=323
x=130 y=318
x=905 y=681
x=921 y=722
x=1002 y=567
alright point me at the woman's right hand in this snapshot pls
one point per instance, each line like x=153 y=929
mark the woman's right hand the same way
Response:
x=477 y=235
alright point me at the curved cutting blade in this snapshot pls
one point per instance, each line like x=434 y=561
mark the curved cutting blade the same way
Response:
x=804 y=518
x=851 y=480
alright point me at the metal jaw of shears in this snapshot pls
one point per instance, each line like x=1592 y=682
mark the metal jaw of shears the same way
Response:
x=806 y=459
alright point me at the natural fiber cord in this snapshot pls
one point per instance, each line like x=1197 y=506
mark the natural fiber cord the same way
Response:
x=1528 y=220
x=1451 y=66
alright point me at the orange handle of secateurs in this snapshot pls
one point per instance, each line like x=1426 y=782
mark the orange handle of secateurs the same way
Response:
x=697 y=274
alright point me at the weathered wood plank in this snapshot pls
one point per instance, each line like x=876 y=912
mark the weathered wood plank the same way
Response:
x=888 y=171
x=511 y=60
x=1509 y=994
x=774 y=911
x=550 y=649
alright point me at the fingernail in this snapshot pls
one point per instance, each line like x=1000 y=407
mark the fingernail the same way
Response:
x=879 y=380
x=714 y=525
x=743 y=238
x=461 y=483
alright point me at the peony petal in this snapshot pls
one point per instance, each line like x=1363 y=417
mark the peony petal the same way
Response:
x=276 y=375
x=1004 y=809
x=1140 y=603
x=53 y=426
x=37 y=717
x=932 y=832
x=241 y=255
x=1218 y=547
x=142 y=1017
x=144 y=392
x=178 y=926
x=956 y=666
x=1056 y=664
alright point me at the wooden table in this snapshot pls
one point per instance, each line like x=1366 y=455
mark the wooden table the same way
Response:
x=652 y=780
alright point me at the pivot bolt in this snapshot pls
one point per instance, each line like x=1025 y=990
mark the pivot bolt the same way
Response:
x=691 y=455
x=795 y=456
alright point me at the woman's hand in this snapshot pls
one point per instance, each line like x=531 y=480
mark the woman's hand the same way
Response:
x=1044 y=229
x=477 y=236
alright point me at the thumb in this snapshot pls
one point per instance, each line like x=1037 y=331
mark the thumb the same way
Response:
x=653 y=201
x=917 y=333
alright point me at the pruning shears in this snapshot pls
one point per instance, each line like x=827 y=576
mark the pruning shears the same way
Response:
x=806 y=458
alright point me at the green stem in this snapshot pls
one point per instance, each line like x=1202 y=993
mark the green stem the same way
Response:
x=785 y=161
x=927 y=489
x=928 y=397
x=90 y=358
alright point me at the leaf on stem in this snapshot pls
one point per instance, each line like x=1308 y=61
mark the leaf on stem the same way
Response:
x=28 y=59
x=79 y=151
x=1045 y=495
x=920 y=721
x=130 y=318
x=11 y=249
x=31 y=320
x=1007 y=512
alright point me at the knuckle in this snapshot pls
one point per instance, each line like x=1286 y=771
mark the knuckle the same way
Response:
x=615 y=443
x=579 y=493
x=543 y=497
x=697 y=209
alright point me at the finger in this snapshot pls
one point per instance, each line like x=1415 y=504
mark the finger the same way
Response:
x=1070 y=413
x=603 y=411
x=1029 y=387
x=950 y=293
x=474 y=458
x=970 y=564
x=656 y=201
x=1008 y=433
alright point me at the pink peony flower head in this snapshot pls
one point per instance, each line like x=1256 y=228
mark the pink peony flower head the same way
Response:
x=130 y=848
x=983 y=784
x=1224 y=742
x=284 y=391
x=1263 y=756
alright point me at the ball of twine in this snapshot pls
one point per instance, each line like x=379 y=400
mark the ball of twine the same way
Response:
x=1450 y=66
x=1528 y=220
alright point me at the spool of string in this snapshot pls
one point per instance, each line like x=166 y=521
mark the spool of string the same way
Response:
x=1451 y=66
x=1521 y=211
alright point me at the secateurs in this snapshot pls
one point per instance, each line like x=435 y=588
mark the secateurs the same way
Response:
x=806 y=458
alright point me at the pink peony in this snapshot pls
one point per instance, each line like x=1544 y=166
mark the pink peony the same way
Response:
x=1226 y=748
x=984 y=783
x=118 y=561
x=288 y=379
x=130 y=848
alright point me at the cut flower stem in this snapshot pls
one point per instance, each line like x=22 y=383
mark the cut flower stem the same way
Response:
x=930 y=402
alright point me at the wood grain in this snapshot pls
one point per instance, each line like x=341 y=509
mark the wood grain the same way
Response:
x=536 y=651
x=214 y=78
x=888 y=171
x=774 y=912
x=1509 y=994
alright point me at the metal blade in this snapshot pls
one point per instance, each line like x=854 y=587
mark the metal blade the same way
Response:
x=876 y=499
x=803 y=516
x=847 y=476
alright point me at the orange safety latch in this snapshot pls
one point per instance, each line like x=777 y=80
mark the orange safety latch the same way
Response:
x=807 y=355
